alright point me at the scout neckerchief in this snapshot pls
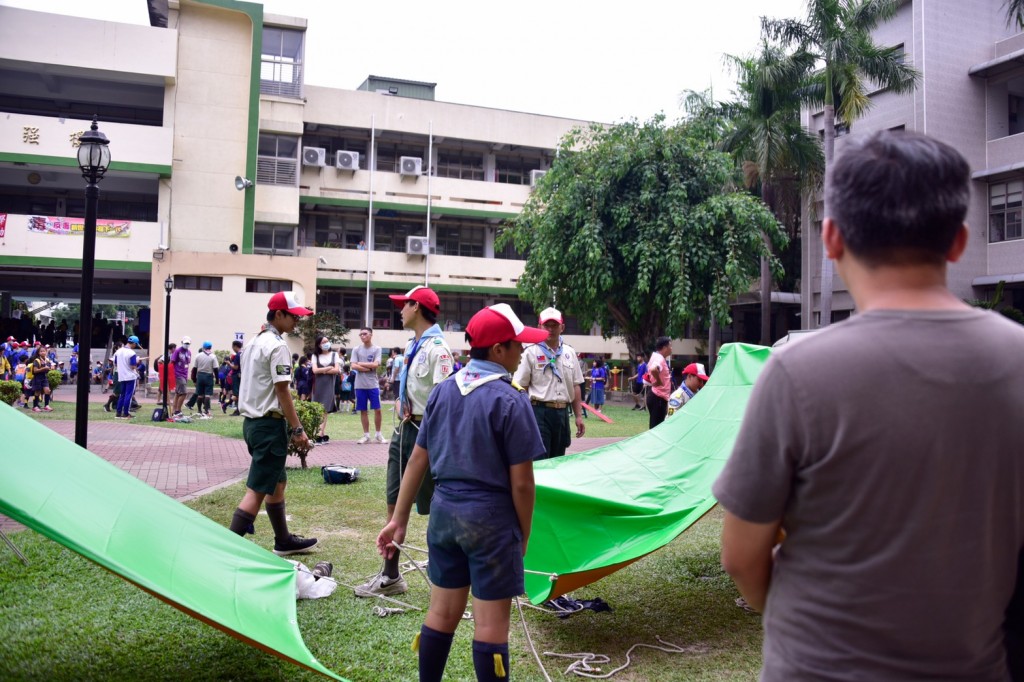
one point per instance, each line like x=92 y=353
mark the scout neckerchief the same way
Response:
x=476 y=373
x=551 y=358
x=686 y=390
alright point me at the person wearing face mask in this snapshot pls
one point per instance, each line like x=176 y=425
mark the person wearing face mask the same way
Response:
x=325 y=370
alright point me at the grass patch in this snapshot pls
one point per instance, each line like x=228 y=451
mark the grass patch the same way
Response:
x=64 y=618
x=340 y=425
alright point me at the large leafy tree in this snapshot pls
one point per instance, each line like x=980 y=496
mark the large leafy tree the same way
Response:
x=641 y=227
x=837 y=33
x=780 y=159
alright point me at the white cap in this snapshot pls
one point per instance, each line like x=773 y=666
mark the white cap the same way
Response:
x=186 y=339
x=550 y=314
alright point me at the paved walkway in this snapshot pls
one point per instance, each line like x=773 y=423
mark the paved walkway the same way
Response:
x=186 y=464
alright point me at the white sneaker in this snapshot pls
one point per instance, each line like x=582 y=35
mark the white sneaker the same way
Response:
x=379 y=439
x=363 y=441
x=379 y=585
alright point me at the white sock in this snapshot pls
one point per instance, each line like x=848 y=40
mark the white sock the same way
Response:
x=366 y=434
x=379 y=435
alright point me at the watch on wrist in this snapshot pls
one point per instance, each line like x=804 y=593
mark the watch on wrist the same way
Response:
x=297 y=431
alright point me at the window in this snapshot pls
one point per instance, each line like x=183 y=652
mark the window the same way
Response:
x=386 y=315
x=267 y=286
x=390 y=153
x=461 y=164
x=456 y=309
x=198 y=283
x=389 y=234
x=509 y=252
x=335 y=230
x=1004 y=213
x=274 y=239
x=460 y=240
x=281 y=67
x=514 y=170
x=277 y=160
x=346 y=304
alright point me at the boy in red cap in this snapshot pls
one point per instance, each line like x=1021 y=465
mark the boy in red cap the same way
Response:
x=265 y=401
x=428 y=362
x=694 y=378
x=479 y=439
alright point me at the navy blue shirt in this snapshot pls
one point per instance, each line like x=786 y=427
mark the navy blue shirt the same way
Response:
x=472 y=440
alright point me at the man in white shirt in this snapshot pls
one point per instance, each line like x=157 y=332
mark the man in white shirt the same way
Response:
x=127 y=361
x=265 y=401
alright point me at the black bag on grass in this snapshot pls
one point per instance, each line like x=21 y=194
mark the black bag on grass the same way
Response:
x=339 y=473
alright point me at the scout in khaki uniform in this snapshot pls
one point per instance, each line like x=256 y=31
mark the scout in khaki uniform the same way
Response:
x=550 y=372
x=270 y=422
x=428 y=362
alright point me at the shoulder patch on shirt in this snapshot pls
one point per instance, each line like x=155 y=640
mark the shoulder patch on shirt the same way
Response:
x=438 y=342
x=282 y=370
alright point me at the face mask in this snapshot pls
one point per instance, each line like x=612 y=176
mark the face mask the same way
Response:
x=325 y=346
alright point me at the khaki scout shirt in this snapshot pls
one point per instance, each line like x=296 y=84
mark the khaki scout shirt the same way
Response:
x=541 y=383
x=432 y=365
x=266 y=361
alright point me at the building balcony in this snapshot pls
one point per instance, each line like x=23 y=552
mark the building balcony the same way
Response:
x=44 y=140
x=27 y=237
x=391 y=190
x=348 y=267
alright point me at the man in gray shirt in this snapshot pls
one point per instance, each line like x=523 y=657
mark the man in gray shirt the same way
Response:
x=886 y=449
x=365 y=361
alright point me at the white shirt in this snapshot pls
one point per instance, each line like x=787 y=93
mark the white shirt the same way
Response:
x=126 y=361
x=266 y=362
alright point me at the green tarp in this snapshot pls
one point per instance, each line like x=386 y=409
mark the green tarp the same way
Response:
x=90 y=506
x=600 y=510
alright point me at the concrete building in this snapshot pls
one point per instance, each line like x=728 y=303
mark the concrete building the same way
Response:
x=355 y=194
x=971 y=95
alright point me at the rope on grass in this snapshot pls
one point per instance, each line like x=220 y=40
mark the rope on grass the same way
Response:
x=529 y=641
x=582 y=665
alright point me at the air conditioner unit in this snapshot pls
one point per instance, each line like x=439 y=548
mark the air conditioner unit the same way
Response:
x=346 y=161
x=410 y=165
x=535 y=176
x=416 y=245
x=314 y=156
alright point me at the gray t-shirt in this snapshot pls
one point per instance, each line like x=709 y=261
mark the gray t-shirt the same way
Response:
x=363 y=354
x=890 y=445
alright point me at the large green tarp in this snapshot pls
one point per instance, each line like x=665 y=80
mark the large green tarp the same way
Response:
x=602 y=509
x=90 y=506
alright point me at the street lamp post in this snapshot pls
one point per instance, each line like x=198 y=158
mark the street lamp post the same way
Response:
x=168 y=285
x=93 y=159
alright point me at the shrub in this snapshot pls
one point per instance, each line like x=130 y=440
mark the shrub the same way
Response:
x=54 y=378
x=311 y=414
x=9 y=391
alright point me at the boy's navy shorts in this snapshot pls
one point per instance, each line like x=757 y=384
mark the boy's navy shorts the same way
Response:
x=475 y=543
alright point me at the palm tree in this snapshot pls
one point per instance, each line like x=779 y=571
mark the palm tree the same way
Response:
x=779 y=157
x=1015 y=13
x=837 y=33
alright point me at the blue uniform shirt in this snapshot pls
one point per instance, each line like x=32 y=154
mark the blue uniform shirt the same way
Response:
x=473 y=439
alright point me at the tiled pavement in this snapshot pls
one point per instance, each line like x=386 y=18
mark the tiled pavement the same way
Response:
x=186 y=464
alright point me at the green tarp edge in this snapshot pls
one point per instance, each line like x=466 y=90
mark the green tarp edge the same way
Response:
x=79 y=500
x=619 y=502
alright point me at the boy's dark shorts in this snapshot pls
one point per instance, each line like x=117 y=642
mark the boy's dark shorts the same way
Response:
x=267 y=440
x=402 y=442
x=477 y=544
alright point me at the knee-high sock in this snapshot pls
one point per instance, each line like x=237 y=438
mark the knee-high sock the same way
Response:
x=240 y=522
x=275 y=511
x=434 y=648
x=490 y=661
x=390 y=569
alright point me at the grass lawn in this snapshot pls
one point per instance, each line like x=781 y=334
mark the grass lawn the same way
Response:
x=62 y=617
x=340 y=426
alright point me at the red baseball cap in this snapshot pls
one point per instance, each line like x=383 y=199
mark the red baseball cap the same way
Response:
x=549 y=314
x=285 y=300
x=498 y=324
x=422 y=295
x=696 y=369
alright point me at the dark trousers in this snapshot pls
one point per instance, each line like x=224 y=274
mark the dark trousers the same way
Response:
x=554 y=429
x=657 y=409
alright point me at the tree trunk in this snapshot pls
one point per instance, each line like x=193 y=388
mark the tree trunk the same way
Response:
x=712 y=343
x=766 y=300
x=825 y=317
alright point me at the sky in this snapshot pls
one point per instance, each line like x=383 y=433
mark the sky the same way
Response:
x=595 y=61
